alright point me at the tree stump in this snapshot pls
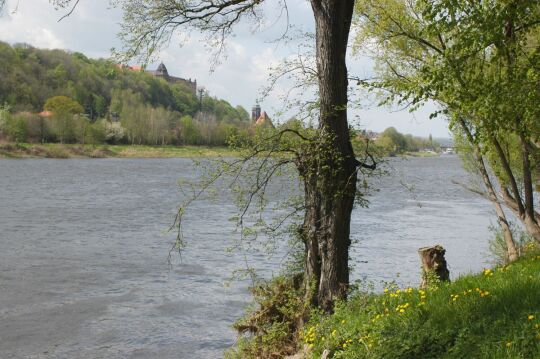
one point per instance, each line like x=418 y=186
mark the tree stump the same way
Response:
x=434 y=265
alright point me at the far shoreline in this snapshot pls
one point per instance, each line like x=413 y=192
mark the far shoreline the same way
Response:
x=65 y=151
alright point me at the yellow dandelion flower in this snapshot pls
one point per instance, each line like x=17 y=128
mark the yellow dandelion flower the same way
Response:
x=530 y=317
x=509 y=344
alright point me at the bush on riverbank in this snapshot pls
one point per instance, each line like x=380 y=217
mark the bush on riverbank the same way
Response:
x=494 y=314
x=272 y=327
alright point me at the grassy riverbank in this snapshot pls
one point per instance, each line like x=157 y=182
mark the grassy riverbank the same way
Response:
x=494 y=314
x=421 y=154
x=56 y=150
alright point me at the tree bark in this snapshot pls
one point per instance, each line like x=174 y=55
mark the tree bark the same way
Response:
x=531 y=223
x=330 y=174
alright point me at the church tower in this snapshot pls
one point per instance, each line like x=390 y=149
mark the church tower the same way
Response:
x=255 y=112
x=162 y=71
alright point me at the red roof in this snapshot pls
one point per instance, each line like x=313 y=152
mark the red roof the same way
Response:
x=264 y=120
x=132 y=68
x=45 y=113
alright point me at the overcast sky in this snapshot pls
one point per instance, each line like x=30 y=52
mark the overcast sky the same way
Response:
x=92 y=30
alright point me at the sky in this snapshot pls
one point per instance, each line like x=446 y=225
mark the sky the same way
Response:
x=239 y=77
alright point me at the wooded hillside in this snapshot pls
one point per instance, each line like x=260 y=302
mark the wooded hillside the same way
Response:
x=149 y=109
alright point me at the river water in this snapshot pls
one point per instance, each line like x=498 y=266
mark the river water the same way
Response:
x=83 y=253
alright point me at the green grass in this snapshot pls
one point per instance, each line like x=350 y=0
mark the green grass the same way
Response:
x=494 y=314
x=57 y=150
x=170 y=151
x=421 y=154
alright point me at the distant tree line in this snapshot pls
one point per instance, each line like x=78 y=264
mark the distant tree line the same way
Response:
x=95 y=101
x=391 y=142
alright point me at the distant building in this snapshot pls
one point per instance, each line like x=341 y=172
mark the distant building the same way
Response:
x=264 y=120
x=368 y=135
x=255 y=113
x=161 y=72
x=260 y=118
x=45 y=114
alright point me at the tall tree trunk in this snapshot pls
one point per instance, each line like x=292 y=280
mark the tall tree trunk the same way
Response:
x=511 y=250
x=532 y=226
x=531 y=223
x=331 y=181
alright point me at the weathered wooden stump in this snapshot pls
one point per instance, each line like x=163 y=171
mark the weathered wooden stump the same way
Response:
x=433 y=265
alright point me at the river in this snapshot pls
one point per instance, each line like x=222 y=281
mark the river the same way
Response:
x=83 y=259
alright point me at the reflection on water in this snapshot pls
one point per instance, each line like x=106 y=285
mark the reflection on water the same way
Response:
x=83 y=265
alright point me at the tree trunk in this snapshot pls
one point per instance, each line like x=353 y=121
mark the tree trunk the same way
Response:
x=433 y=261
x=531 y=223
x=532 y=226
x=511 y=251
x=330 y=172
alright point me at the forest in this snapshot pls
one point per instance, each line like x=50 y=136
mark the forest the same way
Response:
x=83 y=100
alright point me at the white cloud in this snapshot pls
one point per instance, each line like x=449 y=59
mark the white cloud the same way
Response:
x=21 y=26
x=45 y=38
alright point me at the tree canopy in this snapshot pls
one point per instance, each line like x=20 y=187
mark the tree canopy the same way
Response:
x=479 y=61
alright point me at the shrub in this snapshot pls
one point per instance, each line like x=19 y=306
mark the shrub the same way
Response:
x=271 y=329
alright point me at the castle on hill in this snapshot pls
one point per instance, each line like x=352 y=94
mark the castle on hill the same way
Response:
x=161 y=72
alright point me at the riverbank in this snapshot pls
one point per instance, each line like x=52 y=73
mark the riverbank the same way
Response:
x=493 y=314
x=57 y=150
